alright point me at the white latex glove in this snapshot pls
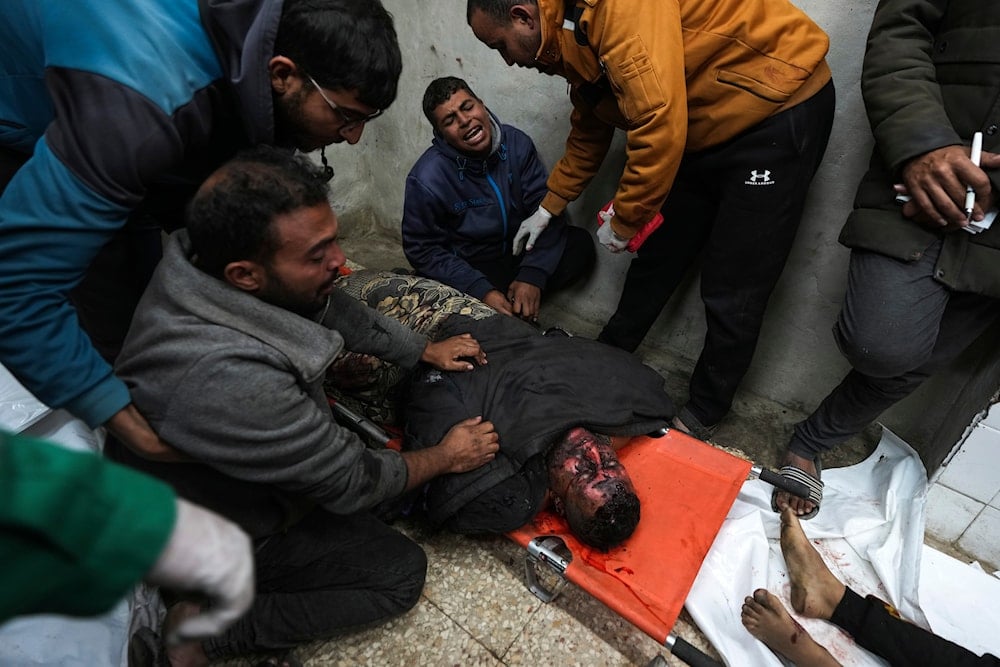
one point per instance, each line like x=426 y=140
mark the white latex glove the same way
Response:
x=605 y=235
x=210 y=555
x=531 y=228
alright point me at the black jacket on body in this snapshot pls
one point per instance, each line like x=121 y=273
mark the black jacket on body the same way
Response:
x=534 y=389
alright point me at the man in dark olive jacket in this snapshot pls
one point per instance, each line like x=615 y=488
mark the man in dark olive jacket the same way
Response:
x=921 y=286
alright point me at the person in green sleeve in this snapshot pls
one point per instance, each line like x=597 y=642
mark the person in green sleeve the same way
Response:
x=78 y=531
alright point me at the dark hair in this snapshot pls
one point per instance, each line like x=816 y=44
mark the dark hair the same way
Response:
x=440 y=91
x=344 y=45
x=611 y=524
x=230 y=217
x=498 y=10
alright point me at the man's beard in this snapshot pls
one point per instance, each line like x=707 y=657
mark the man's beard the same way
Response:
x=279 y=294
x=289 y=119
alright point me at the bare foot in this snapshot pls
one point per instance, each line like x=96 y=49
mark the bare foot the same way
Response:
x=187 y=654
x=766 y=618
x=784 y=499
x=816 y=592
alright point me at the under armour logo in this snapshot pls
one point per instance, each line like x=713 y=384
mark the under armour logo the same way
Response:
x=759 y=177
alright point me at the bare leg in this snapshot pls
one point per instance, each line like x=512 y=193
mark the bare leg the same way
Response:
x=784 y=499
x=816 y=592
x=766 y=618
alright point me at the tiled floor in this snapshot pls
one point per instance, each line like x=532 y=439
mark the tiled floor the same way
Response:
x=963 y=503
x=476 y=611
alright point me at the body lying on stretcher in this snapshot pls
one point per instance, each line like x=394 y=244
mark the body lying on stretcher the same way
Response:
x=556 y=402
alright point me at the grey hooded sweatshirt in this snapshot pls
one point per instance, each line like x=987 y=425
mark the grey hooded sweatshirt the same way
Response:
x=236 y=384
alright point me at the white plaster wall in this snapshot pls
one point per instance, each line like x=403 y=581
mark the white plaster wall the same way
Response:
x=796 y=362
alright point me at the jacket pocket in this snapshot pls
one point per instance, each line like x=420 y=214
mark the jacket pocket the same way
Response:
x=887 y=233
x=636 y=80
x=754 y=86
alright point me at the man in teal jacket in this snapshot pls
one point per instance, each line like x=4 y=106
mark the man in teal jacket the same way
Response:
x=111 y=115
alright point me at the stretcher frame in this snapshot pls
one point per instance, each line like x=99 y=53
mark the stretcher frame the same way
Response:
x=687 y=464
x=551 y=547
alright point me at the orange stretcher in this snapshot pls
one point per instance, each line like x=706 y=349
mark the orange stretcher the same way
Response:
x=686 y=488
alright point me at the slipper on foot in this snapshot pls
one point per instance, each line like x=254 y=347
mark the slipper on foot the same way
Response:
x=814 y=484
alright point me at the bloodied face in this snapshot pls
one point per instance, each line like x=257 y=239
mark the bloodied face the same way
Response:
x=592 y=488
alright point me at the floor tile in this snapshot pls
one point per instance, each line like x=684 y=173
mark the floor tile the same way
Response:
x=992 y=418
x=973 y=470
x=478 y=584
x=576 y=629
x=949 y=513
x=982 y=539
x=424 y=636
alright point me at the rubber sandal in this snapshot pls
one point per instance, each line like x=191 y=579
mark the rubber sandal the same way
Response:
x=815 y=485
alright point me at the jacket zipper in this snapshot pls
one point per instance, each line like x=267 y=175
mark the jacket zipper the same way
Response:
x=503 y=209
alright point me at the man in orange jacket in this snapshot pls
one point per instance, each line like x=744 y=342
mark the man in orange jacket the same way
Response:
x=727 y=106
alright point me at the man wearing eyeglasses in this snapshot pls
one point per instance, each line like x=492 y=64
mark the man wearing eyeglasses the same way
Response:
x=106 y=132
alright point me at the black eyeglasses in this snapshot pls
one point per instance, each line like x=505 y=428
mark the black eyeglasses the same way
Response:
x=350 y=120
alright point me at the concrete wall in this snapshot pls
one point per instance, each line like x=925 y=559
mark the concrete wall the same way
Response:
x=796 y=362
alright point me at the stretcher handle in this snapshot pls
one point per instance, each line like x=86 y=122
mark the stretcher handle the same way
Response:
x=689 y=653
x=794 y=487
x=360 y=423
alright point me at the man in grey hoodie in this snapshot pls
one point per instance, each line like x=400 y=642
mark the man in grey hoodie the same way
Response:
x=226 y=357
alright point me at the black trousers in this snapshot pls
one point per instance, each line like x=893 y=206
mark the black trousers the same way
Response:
x=739 y=205
x=902 y=644
x=577 y=262
x=898 y=326
x=324 y=575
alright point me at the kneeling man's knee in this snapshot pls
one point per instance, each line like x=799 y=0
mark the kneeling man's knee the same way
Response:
x=874 y=354
x=401 y=581
x=410 y=575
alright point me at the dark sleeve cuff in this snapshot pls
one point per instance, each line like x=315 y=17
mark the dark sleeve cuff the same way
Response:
x=480 y=288
x=533 y=276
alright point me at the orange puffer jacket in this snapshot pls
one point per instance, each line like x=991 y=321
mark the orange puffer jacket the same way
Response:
x=685 y=75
